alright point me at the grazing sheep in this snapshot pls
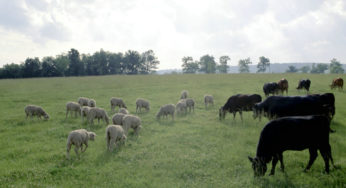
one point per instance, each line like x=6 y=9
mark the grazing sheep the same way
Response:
x=142 y=103
x=184 y=94
x=190 y=103
x=33 y=110
x=165 y=110
x=181 y=107
x=117 y=102
x=208 y=99
x=78 y=138
x=131 y=121
x=84 y=112
x=123 y=111
x=92 y=103
x=83 y=101
x=73 y=107
x=98 y=113
x=114 y=133
x=117 y=118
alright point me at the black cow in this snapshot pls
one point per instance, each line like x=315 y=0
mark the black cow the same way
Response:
x=292 y=133
x=271 y=88
x=304 y=84
x=239 y=103
x=281 y=106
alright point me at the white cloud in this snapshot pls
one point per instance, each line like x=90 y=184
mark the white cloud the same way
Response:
x=304 y=30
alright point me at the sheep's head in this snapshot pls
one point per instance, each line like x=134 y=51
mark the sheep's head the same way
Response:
x=46 y=116
x=91 y=135
x=123 y=138
x=258 y=166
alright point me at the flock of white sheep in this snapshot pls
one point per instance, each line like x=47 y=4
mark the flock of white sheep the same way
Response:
x=121 y=121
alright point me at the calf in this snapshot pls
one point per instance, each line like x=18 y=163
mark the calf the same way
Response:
x=337 y=82
x=304 y=84
x=283 y=85
x=292 y=133
x=239 y=103
x=270 y=88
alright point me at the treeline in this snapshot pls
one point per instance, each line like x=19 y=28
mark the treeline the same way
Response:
x=73 y=64
x=208 y=64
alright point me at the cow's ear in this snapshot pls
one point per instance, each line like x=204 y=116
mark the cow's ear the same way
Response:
x=251 y=159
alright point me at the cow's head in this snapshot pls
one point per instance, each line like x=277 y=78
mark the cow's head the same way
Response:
x=259 y=166
x=222 y=113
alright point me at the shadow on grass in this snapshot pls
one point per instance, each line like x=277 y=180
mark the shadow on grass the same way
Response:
x=273 y=181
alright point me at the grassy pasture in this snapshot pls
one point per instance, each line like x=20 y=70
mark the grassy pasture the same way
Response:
x=196 y=150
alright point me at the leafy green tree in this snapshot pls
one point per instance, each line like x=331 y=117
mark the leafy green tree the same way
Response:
x=207 y=64
x=244 y=65
x=149 y=62
x=263 y=64
x=223 y=67
x=292 y=69
x=76 y=66
x=32 y=68
x=189 y=66
x=335 y=67
x=48 y=67
x=319 y=69
x=132 y=60
x=61 y=64
x=12 y=71
x=305 y=69
x=115 y=65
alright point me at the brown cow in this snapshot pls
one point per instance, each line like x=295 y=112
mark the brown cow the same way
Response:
x=283 y=85
x=337 y=82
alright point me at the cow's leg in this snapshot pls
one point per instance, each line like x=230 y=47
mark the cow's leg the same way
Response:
x=282 y=166
x=241 y=115
x=274 y=162
x=234 y=115
x=325 y=156
x=313 y=156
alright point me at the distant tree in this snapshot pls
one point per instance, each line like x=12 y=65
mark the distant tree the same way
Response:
x=292 y=69
x=305 y=69
x=319 y=69
x=115 y=65
x=207 y=64
x=223 y=67
x=48 y=67
x=32 y=68
x=244 y=65
x=149 y=62
x=61 y=64
x=335 y=67
x=263 y=64
x=132 y=60
x=12 y=71
x=76 y=66
x=189 y=66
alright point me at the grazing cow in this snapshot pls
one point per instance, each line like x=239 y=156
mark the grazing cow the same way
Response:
x=239 y=103
x=283 y=85
x=337 y=82
x=304 y=84
x=281 y=106
x=270 y=88
x=292 y=133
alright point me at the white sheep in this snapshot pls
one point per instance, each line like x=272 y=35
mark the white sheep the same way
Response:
x=117 y=118
x=190 y=103
x=98 y=113
x=84 y=112
x=208 y=99
x=117 y=102
x=184 y=94
x=78 y=138
x=92 y=103
x=114 y=134
x=181 y=107
x=83 y=101
x=142 y=103
x=123 y=111
x=73 y=107
x=166 y=110
x=33 y=110
x=131 y=121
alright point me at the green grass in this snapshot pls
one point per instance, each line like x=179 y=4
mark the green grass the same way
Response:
x=197 y=150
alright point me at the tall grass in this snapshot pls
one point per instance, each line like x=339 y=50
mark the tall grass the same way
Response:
x=196 y=150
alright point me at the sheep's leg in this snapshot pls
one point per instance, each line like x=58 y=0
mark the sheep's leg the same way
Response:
x=86 y=146
x=76 y=148
x=313 y=156
x=75 y=114
x=68 y=148
x=108 y=142
x=112 y=143
x=274 y=162
x=136 y=109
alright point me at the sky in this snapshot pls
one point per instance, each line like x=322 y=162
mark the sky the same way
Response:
x=283 y=31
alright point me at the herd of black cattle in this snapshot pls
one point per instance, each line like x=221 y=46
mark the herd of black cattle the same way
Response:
x=297 y=122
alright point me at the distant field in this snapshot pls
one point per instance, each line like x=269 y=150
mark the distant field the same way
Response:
x=197 y=150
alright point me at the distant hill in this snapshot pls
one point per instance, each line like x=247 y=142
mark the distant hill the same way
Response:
x=274 y=68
